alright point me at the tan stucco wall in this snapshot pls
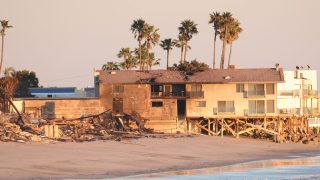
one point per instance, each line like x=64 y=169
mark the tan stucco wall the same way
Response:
x=222 y=92
x=68 y=108
x=138 y=98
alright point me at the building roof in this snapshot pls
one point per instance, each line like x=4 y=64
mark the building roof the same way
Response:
x=52 y=90
x=211 y=76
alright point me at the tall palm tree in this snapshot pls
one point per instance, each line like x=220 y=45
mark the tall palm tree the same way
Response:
x=234 y=32
x=181 y=43
x=110 y=66
x=5 y=25
x=226 y=21
x=216 y=21
x=138 y=28
x=167 y=45
x=152 y=38
x=187 y=29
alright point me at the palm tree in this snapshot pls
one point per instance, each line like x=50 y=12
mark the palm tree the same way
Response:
x=226 y=21
x=138 y=28
x=5 y=25
x=124 y=53
x=110 y=66
x=233 y=35
x=181 y=43
x=167 y=45
x=216 y=21
x=152 y=38
x=152 y=61
x=187 y=29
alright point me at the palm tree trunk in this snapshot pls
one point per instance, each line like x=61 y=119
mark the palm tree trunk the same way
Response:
x=140 y=55
x=230 y=54
x=2 y=44
x=224 y=48
x=185 y=51
x=168 y=51
x=214 y=50
x=181 y=54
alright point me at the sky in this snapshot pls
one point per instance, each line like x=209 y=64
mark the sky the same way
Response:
x=64 y=41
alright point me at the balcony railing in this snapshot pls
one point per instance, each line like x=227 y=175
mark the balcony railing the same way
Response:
x=248 y=94
x=289 y=93
x=168 y=94
x=311 y=93
x=195 y=94
x=178 y=94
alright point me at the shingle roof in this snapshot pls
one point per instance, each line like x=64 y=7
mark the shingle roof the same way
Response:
x=214 y=76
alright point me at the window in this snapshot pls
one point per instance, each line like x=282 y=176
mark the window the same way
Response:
x=240 y=88
x=270 y=106
x=118 y=89
x=256 y=90
x=156 y=103
x=156 y=90
x=196 y=88
x=270 y=88
x=225 y=106
x=200 y=103
x=256 y=107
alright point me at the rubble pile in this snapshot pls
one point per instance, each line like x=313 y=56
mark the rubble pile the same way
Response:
x=104 y=126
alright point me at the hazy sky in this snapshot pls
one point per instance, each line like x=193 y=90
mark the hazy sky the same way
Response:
x=63 y=41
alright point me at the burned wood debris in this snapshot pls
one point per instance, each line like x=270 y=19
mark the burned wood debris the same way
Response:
x=103 y=126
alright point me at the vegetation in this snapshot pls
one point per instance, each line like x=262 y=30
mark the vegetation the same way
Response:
x=186 y=31
x=110 y=66
x=5 y=25
x=8 y=85
x=27 y=79
x=167 y=45
x=129 y=59
x=229 y=29
x=189 y=68
x=225 y=26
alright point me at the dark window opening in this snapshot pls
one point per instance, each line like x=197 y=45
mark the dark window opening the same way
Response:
x=157 y=103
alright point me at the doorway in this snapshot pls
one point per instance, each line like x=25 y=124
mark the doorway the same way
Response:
x=117 y=105
x=181 y=107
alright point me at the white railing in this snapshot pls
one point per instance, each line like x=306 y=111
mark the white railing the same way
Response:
x=314 y=122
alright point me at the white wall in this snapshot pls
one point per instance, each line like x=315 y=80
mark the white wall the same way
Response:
x=297 y=84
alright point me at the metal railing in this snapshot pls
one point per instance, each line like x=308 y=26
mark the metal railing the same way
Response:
x=168 y=94
x=195 y=94
x=289 y=93
x=248 y=94
x=314 y=122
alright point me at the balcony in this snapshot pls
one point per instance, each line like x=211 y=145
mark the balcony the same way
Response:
x=178 y=94
x=250 y=94
x=195 y=94
x=289 y=93
x=310 y=93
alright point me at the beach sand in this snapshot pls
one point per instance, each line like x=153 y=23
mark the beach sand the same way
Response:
x=106 y=159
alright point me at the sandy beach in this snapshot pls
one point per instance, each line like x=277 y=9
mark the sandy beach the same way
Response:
x=106 y=159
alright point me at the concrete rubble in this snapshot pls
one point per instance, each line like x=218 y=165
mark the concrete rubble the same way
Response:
x=104 y=126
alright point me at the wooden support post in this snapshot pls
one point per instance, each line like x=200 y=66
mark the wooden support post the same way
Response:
x=265 y=122
x=222 y=128
x=209 y=127
x=237 y=129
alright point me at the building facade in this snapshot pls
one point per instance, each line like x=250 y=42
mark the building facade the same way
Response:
x=168 y=96
x=298 y=95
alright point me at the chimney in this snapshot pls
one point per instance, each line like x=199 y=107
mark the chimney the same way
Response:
x=277 y=67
